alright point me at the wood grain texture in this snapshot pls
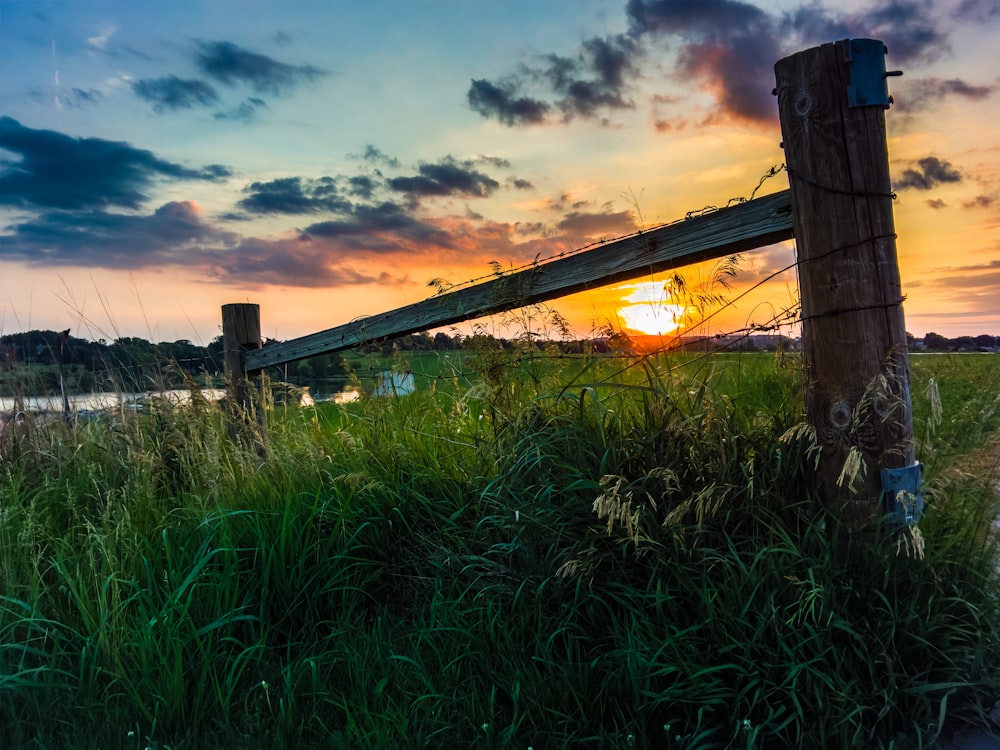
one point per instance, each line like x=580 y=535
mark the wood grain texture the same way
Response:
x=748 y=225
x=853 y=332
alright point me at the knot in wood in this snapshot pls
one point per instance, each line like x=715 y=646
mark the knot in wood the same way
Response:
x=881 y=406
x=840 y=415
x=803 y=103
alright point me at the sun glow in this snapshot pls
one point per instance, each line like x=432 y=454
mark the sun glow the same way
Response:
x=647 y=309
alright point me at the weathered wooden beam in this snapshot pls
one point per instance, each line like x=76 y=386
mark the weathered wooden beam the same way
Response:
x=742 y=227
x=240 y=336
x=831 y=102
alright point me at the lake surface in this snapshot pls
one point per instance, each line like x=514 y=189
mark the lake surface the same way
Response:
x=83 y=402
x=105 y=400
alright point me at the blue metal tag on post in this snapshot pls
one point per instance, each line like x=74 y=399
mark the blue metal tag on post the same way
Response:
x=903 y=494
x=868 y=86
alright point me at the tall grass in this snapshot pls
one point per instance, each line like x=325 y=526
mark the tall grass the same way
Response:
x=586 y=565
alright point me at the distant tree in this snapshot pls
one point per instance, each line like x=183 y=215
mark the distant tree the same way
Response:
x=936 y=341
x=443 y=342
x=985 y=341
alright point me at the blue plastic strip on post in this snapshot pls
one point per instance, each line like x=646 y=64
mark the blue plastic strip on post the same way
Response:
x=903 y=494
x=868 y=86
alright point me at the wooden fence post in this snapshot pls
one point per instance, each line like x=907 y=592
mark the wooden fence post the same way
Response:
x=241 y=333
x=831 y=102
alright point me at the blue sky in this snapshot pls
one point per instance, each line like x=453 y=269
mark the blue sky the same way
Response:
x=330 y=159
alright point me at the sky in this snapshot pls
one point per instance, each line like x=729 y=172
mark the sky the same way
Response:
x=331 y=160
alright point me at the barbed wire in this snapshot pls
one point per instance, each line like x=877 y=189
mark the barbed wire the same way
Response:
x=541 y=260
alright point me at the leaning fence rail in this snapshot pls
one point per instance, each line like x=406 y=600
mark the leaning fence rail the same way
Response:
x=749 y=225
x=831 y=104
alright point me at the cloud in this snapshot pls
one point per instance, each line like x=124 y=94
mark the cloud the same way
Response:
x=731 y=46
x=980 y=201
x=586 y=85
x=765 y=262
x=595 y=80
x=173 y=93
x=297 y=262
x=58 y=171
x=100 y=41
x=384 y=227
x=245 y=112
x=927 y=173
x=447 y=177
x=601 y=224
x=293 y=195
x=110 y=240
x=978 y=11
x=936 y=203
x=74 y=98
x=362 y=185
x=84 y=97
x=377 y=156
x=229 y=64
x=726 y=48
x=920 y=93
x=504 y=102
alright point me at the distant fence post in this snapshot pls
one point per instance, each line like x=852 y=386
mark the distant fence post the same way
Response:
x=831 y=102
x=241 y=333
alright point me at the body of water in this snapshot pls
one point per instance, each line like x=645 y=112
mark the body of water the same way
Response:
x=84 y=402
x=105 y=400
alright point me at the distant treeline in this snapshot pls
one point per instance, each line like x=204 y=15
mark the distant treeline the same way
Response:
x=33 y=361
x=937 y=343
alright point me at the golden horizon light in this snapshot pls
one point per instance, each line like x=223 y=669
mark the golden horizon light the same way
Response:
x=648 y=309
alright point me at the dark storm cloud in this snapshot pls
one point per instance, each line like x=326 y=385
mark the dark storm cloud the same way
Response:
x=58 y=171
x=173 y=93
x=293 y=195
x=927 y=173
x=920 y=93
x=447 y=177
x=726 y=48
x=245 y=112
x=227 y=63
x=109 y=240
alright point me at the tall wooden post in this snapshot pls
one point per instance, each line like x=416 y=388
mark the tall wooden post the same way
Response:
x=241 y=333
x=832 y=101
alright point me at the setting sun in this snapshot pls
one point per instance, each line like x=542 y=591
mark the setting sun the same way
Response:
x=647 y=309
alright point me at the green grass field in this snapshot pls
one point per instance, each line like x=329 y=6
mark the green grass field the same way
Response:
x=543 y=552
